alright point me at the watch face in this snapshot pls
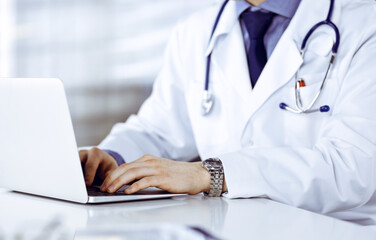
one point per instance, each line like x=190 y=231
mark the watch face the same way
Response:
x=213 y=163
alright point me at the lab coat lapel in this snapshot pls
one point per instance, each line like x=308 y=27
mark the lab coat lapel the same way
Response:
x=280 y=68
x=228 y=53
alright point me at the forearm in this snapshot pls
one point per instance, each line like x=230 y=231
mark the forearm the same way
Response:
x=323 y=179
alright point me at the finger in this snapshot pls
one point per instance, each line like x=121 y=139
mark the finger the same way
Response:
x=91 y=166
x=83 y=155
x=120 y=171
x=129 y=176
x=105 y=168
x=152 y=181
x=108 y=172
x=107 y=165
x=111 y=176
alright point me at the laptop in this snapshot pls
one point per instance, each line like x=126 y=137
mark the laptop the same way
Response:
x=38 y=150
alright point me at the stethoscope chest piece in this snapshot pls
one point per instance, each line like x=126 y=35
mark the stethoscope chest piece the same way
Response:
x=207 y=103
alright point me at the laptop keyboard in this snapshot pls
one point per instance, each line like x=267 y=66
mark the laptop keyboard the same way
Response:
x=96 y=192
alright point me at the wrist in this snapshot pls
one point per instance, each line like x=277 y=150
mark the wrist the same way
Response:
x=215 y=169
x=224 y=187
x=204 y=178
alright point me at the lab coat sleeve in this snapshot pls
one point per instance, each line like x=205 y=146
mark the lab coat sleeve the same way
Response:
x=161 y=127
x=339 y=171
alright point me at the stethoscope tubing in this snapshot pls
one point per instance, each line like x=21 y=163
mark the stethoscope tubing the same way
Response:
x=298 y=103
x=208 y=58
x=208 y=100
x=328 y=22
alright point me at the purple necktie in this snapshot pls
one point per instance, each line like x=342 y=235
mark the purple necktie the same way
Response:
x=256 y=24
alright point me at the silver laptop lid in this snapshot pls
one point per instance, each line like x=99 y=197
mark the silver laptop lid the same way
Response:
x=38 y=151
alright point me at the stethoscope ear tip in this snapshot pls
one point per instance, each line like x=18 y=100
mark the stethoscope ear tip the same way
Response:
x=283 y=106
x=324 y=108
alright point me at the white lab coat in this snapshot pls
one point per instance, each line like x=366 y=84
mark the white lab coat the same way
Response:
x=323 y=162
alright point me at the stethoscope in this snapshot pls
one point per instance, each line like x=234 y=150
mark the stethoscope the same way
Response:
x=207 y=101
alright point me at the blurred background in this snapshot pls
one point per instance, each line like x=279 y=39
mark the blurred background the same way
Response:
x=107 y=52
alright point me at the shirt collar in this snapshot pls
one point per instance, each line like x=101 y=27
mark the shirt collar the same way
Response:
x=234 y=8
x=285 y=8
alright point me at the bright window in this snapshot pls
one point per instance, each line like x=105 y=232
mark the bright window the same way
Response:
x=107 y=52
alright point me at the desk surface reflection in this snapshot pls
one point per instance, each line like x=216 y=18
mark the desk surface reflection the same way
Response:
x=229 y=219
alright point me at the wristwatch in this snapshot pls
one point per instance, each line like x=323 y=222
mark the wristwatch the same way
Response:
x=215 y=169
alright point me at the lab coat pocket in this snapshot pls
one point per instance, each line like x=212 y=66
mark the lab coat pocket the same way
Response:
x=304 y=129
x=314 y=67
x=312 y=88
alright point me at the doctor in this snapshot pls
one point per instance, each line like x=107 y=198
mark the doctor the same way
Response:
x=260 y=128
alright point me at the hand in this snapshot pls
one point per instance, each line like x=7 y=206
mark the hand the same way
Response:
x=151 y=171
x=96 y=162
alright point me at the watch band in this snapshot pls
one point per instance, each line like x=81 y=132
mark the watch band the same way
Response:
x=215 y=169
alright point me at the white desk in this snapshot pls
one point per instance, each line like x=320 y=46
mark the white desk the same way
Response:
x=230 y=219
